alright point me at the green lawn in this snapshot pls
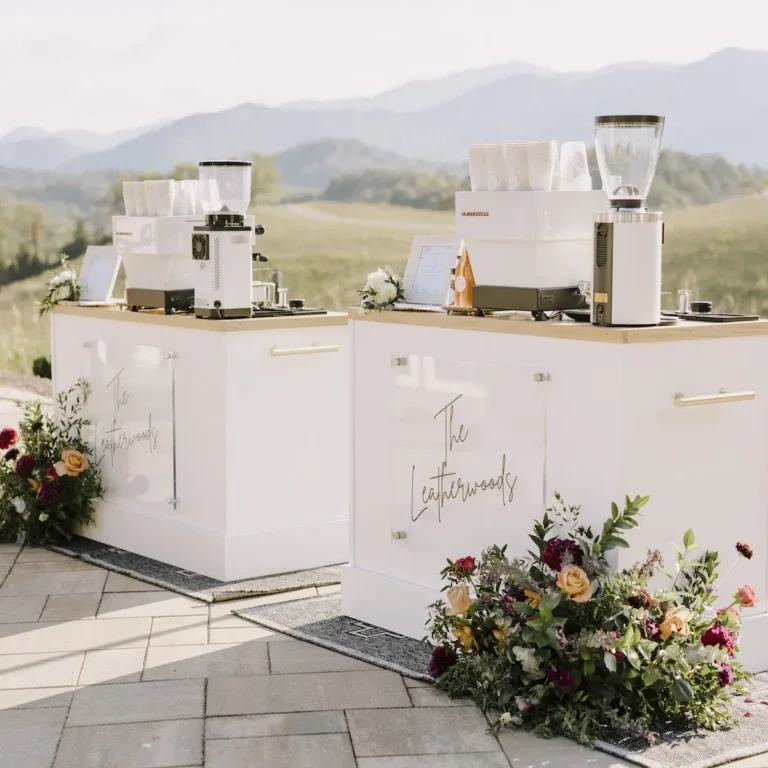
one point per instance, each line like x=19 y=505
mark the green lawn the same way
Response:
x=325 y=250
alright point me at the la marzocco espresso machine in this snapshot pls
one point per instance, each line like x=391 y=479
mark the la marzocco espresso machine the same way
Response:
x=223 y=248
x=626 y=285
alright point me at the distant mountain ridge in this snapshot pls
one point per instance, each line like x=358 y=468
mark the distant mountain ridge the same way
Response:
x=716 y=105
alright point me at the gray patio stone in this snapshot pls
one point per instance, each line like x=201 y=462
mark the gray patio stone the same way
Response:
x=132 y=745
x=137 y=702
x=122 y=665
x=431 y=697
x=305 y=693
x=331 y=750
x=476 y=760
x=57 y=566
x=288 y=724
x=30 y=736
x=174 y=662
x=126 y=605
x=295 y=656
x=33 y=670
x=179 y=630
x=71 y=607
x=440 y=730
x=45 y=637
x=524 y=748
x=21 y=609
x=58 y=583
x=36 y=698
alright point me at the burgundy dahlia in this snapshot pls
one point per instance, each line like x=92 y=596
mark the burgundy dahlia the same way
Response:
x=557 y=549
x=12 y=455
x=640 y=600
x=653 y=630
x=8 y=438
x=24 y=466
x=443 y=658
x=725 y=675
x=744 y=550
x=49 y=495
x=721 y=637
x=562 y=679
x=513 y=595
x=465 y=564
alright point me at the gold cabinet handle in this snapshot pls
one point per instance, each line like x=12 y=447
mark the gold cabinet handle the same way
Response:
x=313 y=349
x=723 y=396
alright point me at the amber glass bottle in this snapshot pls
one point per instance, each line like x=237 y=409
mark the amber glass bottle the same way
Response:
x=464 y=281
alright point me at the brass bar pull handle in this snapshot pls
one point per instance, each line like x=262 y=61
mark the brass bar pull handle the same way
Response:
x=723 y=396
x=313 y=349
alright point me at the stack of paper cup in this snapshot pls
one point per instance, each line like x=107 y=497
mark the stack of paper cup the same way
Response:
x=574 y=170
x=541 y=156
x=129 y=198
x=135 y=198
x=151 y=195
x=189 y=187
x=497 y=167
x=478 y=168
x=164 y=191
x=516 y=163
x=181 y=202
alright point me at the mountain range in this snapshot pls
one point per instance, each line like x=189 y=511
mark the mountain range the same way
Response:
x=716 y=105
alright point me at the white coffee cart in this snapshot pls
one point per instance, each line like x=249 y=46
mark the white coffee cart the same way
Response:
x=464 y=427
x=223 y=444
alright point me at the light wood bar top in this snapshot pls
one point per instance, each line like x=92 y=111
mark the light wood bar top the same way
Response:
x=523 y=325
x=158 y=317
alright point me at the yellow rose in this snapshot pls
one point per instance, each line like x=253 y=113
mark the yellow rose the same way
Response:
x=72 y=463
x=464 y=635
x=34 y=484
x=576 y=583
x=458 y=600
x=532 y=598
x=675 y=620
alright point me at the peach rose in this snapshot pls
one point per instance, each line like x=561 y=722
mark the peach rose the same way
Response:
x=576 y=583
x=72 y=463
x=458 y=600
x=747 y=596
x=675 y=620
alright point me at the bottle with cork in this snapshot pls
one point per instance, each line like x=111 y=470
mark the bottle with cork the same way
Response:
x=464 y=281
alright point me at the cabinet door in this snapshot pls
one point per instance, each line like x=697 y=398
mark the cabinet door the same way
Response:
x=468 y=456
x=704 y=466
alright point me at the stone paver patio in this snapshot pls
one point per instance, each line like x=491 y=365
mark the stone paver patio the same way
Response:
x=98 y=670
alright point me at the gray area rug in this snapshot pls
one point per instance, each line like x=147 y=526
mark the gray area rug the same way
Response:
x=188 y=583
x=319 y=620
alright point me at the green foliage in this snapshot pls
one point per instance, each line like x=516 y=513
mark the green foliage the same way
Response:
x=604 y=656
x=37 y=504
x=41 y=367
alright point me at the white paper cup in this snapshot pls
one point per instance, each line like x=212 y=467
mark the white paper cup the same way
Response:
x=496 y=167
x=133 y=194
x=574 y=170
x=129 y=199
x=542 y=158
x=165 y=192
x=150 y=190
x=516 y=164
x=478 y=168
x=189 y=187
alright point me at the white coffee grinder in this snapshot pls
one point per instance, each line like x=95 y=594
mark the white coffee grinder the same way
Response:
x=223 y=248
x=626 y=286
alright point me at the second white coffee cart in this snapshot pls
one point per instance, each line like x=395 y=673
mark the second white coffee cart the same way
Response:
x=223 y=444
x=464 y=427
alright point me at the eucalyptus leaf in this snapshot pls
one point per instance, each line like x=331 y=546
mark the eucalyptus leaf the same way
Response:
x=610 y=661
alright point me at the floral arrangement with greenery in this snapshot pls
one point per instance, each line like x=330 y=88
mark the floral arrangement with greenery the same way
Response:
x=558 y=643
x=62 y=286
x=47 y=483
x=382 y=289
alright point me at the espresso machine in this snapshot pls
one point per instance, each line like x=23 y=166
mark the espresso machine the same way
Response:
x=222 y=248
x=628 y=238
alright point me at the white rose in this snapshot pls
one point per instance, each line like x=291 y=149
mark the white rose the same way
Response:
x=527 y=659
x=386 y=293
x=505 y=718
x=19 y=504
x=376 y=280
x=68 y=276
x=56 y=280
x=64 y=292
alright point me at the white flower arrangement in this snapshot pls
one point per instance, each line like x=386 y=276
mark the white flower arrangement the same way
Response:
x=61 y=287
x=382 y=289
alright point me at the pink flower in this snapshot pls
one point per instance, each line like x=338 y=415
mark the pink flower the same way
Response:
x=746 y=596
x=721 y=637
x=465 y=564
x=8 y=438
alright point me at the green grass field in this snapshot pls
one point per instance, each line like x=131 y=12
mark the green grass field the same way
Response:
x=325 y=251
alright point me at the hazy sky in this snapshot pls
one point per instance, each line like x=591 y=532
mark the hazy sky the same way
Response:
x=107 y=65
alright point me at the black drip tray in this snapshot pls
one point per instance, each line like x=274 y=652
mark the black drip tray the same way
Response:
x=287 y=311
